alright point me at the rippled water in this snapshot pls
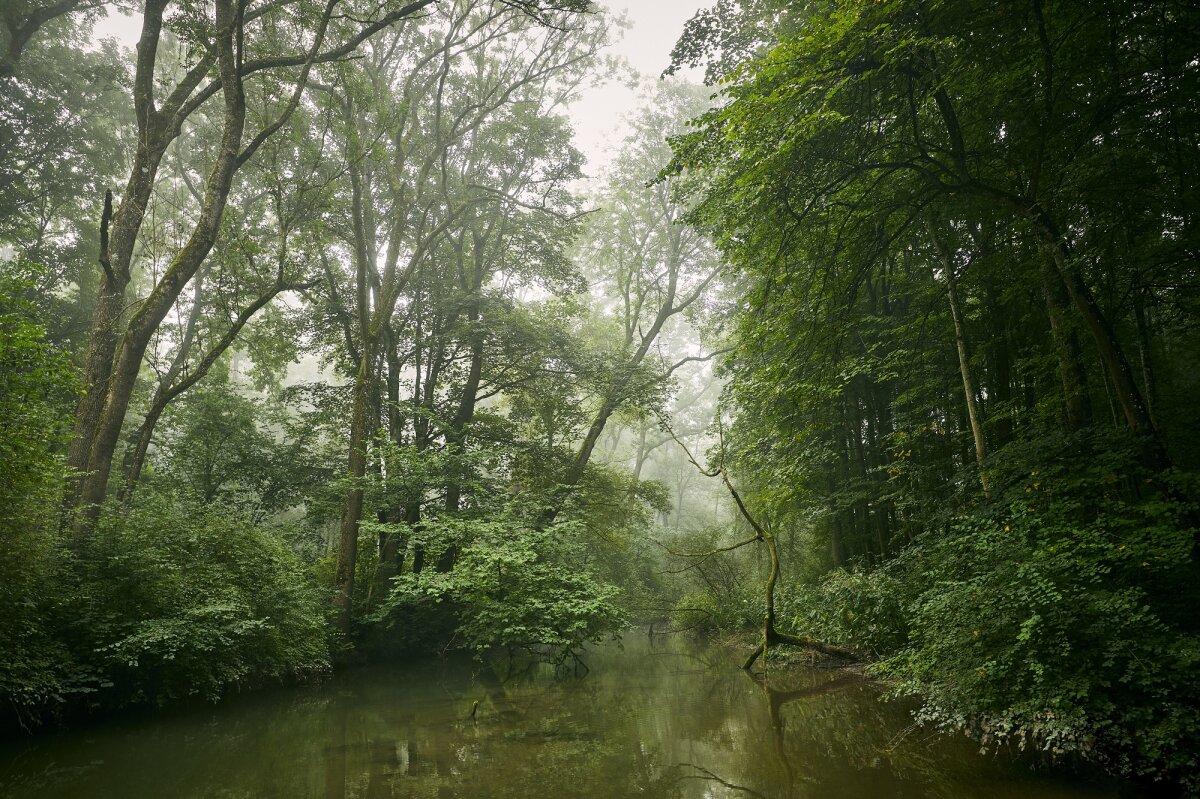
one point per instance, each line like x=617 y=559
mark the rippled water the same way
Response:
x=667 y=718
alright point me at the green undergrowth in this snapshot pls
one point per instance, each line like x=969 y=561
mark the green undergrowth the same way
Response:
x=168 y=601
x=515 y=585
x=1058 y=617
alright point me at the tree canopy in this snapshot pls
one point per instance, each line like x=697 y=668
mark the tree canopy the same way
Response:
x=320 y=340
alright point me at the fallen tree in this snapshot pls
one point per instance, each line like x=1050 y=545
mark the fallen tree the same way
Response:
x=771 y=636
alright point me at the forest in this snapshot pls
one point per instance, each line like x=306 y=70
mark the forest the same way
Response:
x=323 y=342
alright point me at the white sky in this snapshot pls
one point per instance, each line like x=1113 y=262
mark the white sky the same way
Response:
x=599 y=114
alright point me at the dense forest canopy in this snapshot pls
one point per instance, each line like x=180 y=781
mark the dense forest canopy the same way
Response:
x=965 y=235
x=320 y=340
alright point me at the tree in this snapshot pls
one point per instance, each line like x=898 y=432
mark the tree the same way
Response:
x=60 y=138
x=23 y=20
x=36 y=385
x=903 y=104
x=256 y=262
x=655 y=268
x=943 y=218
x=432 y=101
x=116 y=347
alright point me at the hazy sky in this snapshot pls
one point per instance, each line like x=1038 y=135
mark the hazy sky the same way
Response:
x=656 y=24
x=598 y=116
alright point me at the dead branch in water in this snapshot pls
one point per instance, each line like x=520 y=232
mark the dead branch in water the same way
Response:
x=771 y=635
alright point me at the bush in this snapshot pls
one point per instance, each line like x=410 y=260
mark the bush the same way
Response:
x=180 y=599
x=513 y=586
x=1062 y=616
x=1058 y=616
x=37 y=386
x=705 y=612
x=1023 y=633
x=857 y=608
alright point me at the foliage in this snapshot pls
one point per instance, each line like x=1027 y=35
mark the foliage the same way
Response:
x=1061 y=615
x=224 y=445
x=37 y=382
x=859 y=608
x=513 y=586
x=1058 y=616
x=704 y=611
x=61 y=142
x=182 y=599
x=713 y=593
x=380 y=215
x=613 y=512
x=964 y=253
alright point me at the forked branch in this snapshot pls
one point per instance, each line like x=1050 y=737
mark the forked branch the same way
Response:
x=770 y=634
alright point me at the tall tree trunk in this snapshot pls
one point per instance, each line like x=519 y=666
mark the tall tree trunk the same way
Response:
x=1077 y=401
x=347 y=557
x=364 y=384
x=118 y=235
x=392 y=545
x=575 y=472
x=149 y=316
x=999 y=385
x=837 y=547
x=642 y=453
x=615 y=396
x=854 y=413
x=878 y=506
x=1144 y=353
x=1133 y=406
x=974 y=417
x=964 y=366
x=456 y=435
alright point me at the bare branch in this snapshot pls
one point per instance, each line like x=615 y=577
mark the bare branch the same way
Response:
x=698 y=359
x=701 y=557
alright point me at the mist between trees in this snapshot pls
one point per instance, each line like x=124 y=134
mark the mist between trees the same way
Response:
x=316 y=344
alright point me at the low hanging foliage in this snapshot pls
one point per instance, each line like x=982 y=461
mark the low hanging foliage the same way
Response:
x=513 y=586
x=1058 y=616
x=183 y=599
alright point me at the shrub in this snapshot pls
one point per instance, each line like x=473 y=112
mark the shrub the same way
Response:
x=703 y=611
x=1058 y=616
x=513 y=586
x=181 y=599
x=858 y=608
x=37 y=386
x=1062 y=616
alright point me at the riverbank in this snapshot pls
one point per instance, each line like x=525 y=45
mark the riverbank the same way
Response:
x=786 y=664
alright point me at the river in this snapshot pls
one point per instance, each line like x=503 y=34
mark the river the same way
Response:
x=661 y=718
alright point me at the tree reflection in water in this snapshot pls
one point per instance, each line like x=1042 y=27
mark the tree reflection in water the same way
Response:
x=668 y=719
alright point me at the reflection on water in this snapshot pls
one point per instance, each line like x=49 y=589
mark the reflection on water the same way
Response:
x=661 y=719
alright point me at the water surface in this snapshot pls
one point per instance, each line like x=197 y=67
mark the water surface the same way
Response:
x=661 y=718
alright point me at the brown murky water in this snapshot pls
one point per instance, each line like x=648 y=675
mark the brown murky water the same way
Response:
x=668 y=718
